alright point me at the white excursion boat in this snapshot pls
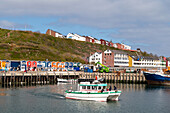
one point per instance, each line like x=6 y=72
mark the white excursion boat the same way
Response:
x=95 y=92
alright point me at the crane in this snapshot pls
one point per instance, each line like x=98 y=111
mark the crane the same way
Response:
x=103 y=68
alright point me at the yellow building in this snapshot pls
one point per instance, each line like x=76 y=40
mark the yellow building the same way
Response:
x=130 y=61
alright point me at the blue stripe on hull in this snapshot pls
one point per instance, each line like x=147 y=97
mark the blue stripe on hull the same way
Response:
x=156 y=78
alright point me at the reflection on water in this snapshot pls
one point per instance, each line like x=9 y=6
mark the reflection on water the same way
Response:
x=135 y=98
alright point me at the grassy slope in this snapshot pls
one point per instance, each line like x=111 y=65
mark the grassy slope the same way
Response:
x=21 y=45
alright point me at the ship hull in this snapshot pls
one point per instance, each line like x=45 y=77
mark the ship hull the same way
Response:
x=157 y=79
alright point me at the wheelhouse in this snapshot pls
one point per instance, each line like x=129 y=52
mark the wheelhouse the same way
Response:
x=87 y=86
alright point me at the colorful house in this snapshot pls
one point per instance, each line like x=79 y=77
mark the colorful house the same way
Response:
x=15 y=65
x=39 y=66
x=31 y=65
x=23 y=65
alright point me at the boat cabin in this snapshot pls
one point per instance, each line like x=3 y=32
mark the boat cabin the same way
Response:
x=86 y=86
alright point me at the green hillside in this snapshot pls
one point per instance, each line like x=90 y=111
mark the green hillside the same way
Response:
x=21 y=45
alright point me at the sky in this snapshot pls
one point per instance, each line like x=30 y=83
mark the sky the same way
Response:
x=143 y=24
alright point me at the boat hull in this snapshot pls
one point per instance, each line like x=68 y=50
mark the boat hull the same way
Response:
x=156 y=79
x=66 y=80
x=103 y=97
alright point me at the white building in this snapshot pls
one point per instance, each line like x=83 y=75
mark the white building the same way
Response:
x=121 y=59
x=126 y=46
x=76 y=37
x=96 y=57
x=59 y=35
x=70 y=35
x=168 y=64
x=115 y=45
x=91 y=38
x=97 y=41
x=80 y=38
x=115 y=58
x=140 y=61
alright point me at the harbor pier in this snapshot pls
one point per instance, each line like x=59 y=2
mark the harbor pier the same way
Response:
x=19 y=78
x=116 y=77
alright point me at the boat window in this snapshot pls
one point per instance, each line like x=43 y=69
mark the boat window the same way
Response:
x=88 y=87
x=94 y=87
x=99 y=87
x=83 y=87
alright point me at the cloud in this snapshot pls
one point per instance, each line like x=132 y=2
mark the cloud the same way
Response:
x=13 y=26
x=95 y=13
x=143 y=23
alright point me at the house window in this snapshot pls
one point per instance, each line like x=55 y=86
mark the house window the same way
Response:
x=105 y=54
x=104 y=62
x=104 y=58
x=110 y=53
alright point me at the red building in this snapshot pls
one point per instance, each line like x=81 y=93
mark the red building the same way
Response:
x=88 y=39
x=51 y=32
x=108 y=58
x=92 y=40
x=103 y=42
x=120 y=46
x=110 y=44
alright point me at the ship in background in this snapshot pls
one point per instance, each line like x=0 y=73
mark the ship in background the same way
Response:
x=157 y=78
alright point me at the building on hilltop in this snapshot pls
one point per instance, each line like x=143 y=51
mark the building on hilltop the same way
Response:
x=54 y=33
x=94 y=40
x=76 y=37
x=126 y=47
x=111 y=44
x=103 y=42
x=89 y=39
x=120 y=46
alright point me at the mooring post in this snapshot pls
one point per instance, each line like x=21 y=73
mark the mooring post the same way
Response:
x=114 y=78
x=25 y=79
x=55 y=79
x=36 y=79
x=22 y=77
x=126 y=77
x=136 y=78
x=14 y=78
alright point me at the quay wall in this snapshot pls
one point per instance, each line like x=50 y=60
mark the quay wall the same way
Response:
x=11 y=78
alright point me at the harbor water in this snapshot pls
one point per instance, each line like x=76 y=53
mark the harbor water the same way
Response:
x=135 y=98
